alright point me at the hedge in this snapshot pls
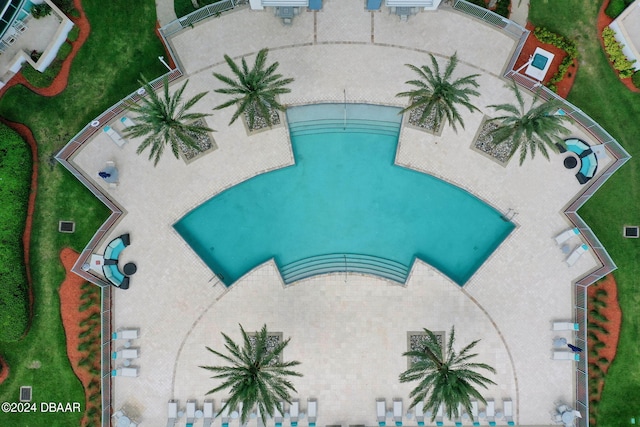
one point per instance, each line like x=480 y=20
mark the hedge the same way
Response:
x=616 y=7
x=615 y=54
x=549 y=37
x=15 y=178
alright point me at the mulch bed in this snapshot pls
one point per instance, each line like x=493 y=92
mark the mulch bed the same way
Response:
x=564 y=86
x=604 y=21
x=4 y=373
x=614 y=319
x=70 y=292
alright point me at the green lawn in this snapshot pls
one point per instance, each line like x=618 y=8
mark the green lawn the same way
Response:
x=122 y=44
x=600 y=94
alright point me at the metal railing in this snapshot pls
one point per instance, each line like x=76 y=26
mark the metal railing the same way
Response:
x=489 y=17
x=198 y=15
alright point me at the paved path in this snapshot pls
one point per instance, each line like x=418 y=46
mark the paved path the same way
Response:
x=166 y=12
x=519 y=11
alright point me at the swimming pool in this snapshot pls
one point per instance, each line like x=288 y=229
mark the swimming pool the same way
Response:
x=344 y=206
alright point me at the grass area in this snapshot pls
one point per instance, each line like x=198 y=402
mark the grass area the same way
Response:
x=105 y=70
x=15 y=179
x=600 y=94
x=45 y=78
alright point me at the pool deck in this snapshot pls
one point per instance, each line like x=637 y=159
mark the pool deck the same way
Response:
x=347 y=330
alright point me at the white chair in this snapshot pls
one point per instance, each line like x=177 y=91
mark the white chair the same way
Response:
x=125 y=372
x=312 y=412
x=474 y=413
x=565 y=326
x=172 y=413
x=277 y=416
x=127 y=122
x=439 y=415
x=191 y=411
x=225 y=414
x=576 y=254
x=566 y=355
x=381 y=412
x=420 y=413
x=207 y=413
x=115 y=136
x=397 y=412
x=126 y=334
x=566 y=235
x=507 y=404
x=294 y=412
x=491 y=412
x=126 y=353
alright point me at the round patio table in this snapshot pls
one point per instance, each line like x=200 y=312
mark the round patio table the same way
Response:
x=568 y=417
x=129 y=268
x=199 y=414
x=570 y=162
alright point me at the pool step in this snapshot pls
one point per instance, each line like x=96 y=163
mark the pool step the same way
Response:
x=341 y=263
x=314 y=127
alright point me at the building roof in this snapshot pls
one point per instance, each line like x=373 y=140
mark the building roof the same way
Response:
x=8 y=13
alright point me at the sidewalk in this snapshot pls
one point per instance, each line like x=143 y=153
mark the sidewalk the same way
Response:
x=165 y=11
x=519 y=11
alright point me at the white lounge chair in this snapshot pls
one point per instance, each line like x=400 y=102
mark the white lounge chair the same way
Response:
x=566 y=235
x=126 y=334
x=312 y=412
x=191 y=412
x=172 y=413
x=294 y=412
x=439 y=415
x=225 y=414
x=491 y=412
x=381 y=412
x=207 y=413
x=127 y=122
x=566 y=326
x=126 y=353
x=420 y=413
x=115 y=136
x=397 y=412
x=458 y=420
x=474 y=413
x=507 y=404
x=125 y=372
x=576 y=254
x=277 y=415
x=566 y=355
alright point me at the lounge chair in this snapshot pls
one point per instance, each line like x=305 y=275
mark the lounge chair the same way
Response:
x=566 y=355
x=126 y=334
x=397 y=412
x=172 y=413
x=420 y=413
x=457 y=419
x=491 y=412
x=566 y=326
x=125 y=372
x=125 y=353
x=191 y=412
x=294 y=412
x=312 y=412
x=207 y=413
x=474 y=413
x=115 y=136
x=127 y=122
x=439 y=415
x=381 y=412
x=507 y=404
x=277 y=415
x=566 y=235
x=576 y=254
x=225 y=414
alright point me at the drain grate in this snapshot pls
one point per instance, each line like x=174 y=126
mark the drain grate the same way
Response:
x=66 y=226
x=25 y=393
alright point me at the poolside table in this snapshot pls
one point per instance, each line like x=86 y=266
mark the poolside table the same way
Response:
x=284 y=12
x=570 y=162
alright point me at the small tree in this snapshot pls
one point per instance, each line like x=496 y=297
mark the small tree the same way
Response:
x=437 y=95
x=165 y=120
x=254 y=90
x=530 y=129
x=255 y=376
x=447 y=379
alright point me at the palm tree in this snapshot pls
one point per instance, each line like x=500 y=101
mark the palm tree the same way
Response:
x=256 y=376
x=530 y=130
x=254 y=90
x=448 y=379
x=436 y=95
x=165 y=120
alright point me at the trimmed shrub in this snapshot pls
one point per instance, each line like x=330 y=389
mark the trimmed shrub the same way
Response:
x=596 y=315
x=15 y=175
x=636 y=79
x=600 y=293
x=561 y=42
x=615 y=8
x=616 y=56
x=502 y=8
x=40 y=10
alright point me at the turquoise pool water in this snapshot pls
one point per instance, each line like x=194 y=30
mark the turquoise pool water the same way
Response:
x=344 y=206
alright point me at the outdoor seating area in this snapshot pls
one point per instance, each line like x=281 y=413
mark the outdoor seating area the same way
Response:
x=587 y=157
x=110 y=268
x=125 y=352
x=123 y=419
x=565 y=415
